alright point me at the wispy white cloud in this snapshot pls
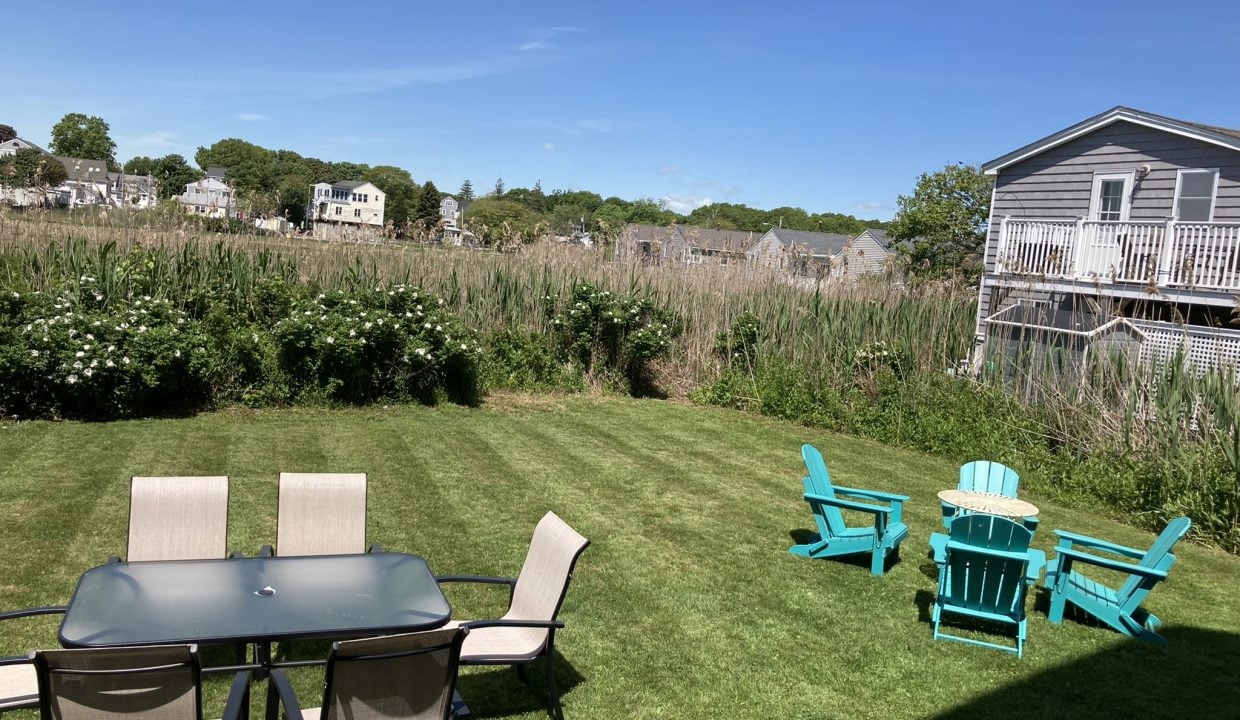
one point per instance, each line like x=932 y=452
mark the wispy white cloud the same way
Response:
x=575 y=128
x=541 y=39
x=872 y=206
x=548 y=146
x=685 y=203
x=670 y=170
x=250 y=117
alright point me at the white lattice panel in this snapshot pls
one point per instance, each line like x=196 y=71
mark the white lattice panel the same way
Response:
x=1204 y=348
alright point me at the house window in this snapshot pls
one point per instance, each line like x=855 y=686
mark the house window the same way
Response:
x=1194 y=195
x=1111 y=197
x=357 y=212
x=339 y=210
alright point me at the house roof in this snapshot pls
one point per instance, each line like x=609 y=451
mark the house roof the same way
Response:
x=817 y=243
x=216 y=172
x=80 y=169
x=349 y=184
x=20 y=144
x=719 y=240
x=1225 y=137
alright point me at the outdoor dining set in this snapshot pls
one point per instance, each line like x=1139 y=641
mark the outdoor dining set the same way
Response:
x=985 y=563
x=132 y=628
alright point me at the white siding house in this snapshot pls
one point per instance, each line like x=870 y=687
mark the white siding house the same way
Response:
x=349 y=202
x=209 y=197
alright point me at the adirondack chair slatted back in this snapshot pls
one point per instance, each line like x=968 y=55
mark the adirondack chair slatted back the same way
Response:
x=988 y=477
x=819 y=483
x=985 y=581
x=1158 y=557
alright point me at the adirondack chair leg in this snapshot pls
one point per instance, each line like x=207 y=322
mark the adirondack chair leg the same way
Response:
x=878 y=560
x=810 y=549
x=1020 y=638
x=1058 y=601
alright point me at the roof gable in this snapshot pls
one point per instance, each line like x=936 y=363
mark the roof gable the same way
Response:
x=1224 y=137
x=817 y=243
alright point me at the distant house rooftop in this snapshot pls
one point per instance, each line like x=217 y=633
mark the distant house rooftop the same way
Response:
x=349 y=184
x=216 y=172
x=85 y=170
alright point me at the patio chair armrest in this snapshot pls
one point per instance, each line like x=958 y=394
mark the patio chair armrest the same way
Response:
x=872 y=494
x=376 y=548
x=549 y=624
x=1067 y=555
x=31 y=612
x=1033 y=571
x=278 y=684
x=16 y=659
x=476 y=579
x=1068 y=539
x=266 y=551
x=238 y=705
x=848 y=504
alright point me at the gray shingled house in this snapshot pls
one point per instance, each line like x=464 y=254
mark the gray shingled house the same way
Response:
x=801 y=253
x=1126 y=214
x=683 y=245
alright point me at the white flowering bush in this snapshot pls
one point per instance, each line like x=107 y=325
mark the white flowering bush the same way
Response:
x=878 y=354
x=141 y=356
x=393 y=342
x=611 y=333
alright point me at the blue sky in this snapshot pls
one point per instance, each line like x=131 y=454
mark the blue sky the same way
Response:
x=829 y=106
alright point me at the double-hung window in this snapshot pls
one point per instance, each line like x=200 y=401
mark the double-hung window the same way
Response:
x=1194 y=195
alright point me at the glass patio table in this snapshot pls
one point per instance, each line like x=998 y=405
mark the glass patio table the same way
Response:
x=252 y=600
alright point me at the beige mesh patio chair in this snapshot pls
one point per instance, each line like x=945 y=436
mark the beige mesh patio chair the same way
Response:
x=527 y=631
x=178 y=518
x=162 y=682
x=321 y=514
x=19 y=685
x=397 y=677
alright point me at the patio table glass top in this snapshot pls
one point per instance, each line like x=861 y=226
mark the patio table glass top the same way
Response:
x=258 y=599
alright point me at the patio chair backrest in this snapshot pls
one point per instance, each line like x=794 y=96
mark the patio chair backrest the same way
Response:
x=982 y=572
x=321 y=514
x=398 y=677
x=1158 y=557
x=161 y=682
x=548 y=567
x=178 y=518
x=819 y=483
x=988 y=477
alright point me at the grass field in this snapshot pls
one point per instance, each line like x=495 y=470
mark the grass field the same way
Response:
x=686 y=605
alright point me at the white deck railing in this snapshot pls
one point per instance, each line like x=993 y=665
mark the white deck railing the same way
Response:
x=1164 y=254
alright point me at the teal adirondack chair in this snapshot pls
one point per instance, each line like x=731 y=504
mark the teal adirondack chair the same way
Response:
x=988 y=477
x=986 y=568
x=834 y=537
x=1121 y=609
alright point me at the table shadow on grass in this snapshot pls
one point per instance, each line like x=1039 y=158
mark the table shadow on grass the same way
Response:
x=1194 y=675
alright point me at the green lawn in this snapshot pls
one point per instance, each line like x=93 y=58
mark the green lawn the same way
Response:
x=686 y=605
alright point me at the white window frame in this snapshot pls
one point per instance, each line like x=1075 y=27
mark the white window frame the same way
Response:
x=1175 y=197
x=1095 y=193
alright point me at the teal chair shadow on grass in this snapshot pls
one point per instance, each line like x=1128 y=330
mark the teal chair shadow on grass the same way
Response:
x=989 y=477
x=986 y=568
x=1121 y=609
x=834 y=537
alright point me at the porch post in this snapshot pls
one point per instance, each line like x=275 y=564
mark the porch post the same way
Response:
x=1078 y=247
x=1001 y=249
x=1166 y=253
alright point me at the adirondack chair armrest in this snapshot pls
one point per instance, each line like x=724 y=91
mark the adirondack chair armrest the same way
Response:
x=1068 y=539
x=1037 y=561
x=938 y=544
x=848 y=504
x=871 y=494
x=1067 y=555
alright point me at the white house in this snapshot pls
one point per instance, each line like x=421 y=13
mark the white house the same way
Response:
x=10 y=147
x=87 y=183
x=209 y=197
x=349 y=202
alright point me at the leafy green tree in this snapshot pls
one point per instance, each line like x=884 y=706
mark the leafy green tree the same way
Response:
x=7 y=133
x=171 y=171
x=348 y=171
x=609 y=220
x=502 y=222
x=943 y=223
x=651 y=212
x=589 y=200
x=399 y=194
x=83 y=136
x=466 y=193
x=31 y=169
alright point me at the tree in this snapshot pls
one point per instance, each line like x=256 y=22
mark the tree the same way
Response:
x=499 y=188
x=82 y=136
x=7 y=133
x=30 y=168
x=428 y=205
x=172 y=172
x=502 y=222
x=466 y=193
x=943 y=223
